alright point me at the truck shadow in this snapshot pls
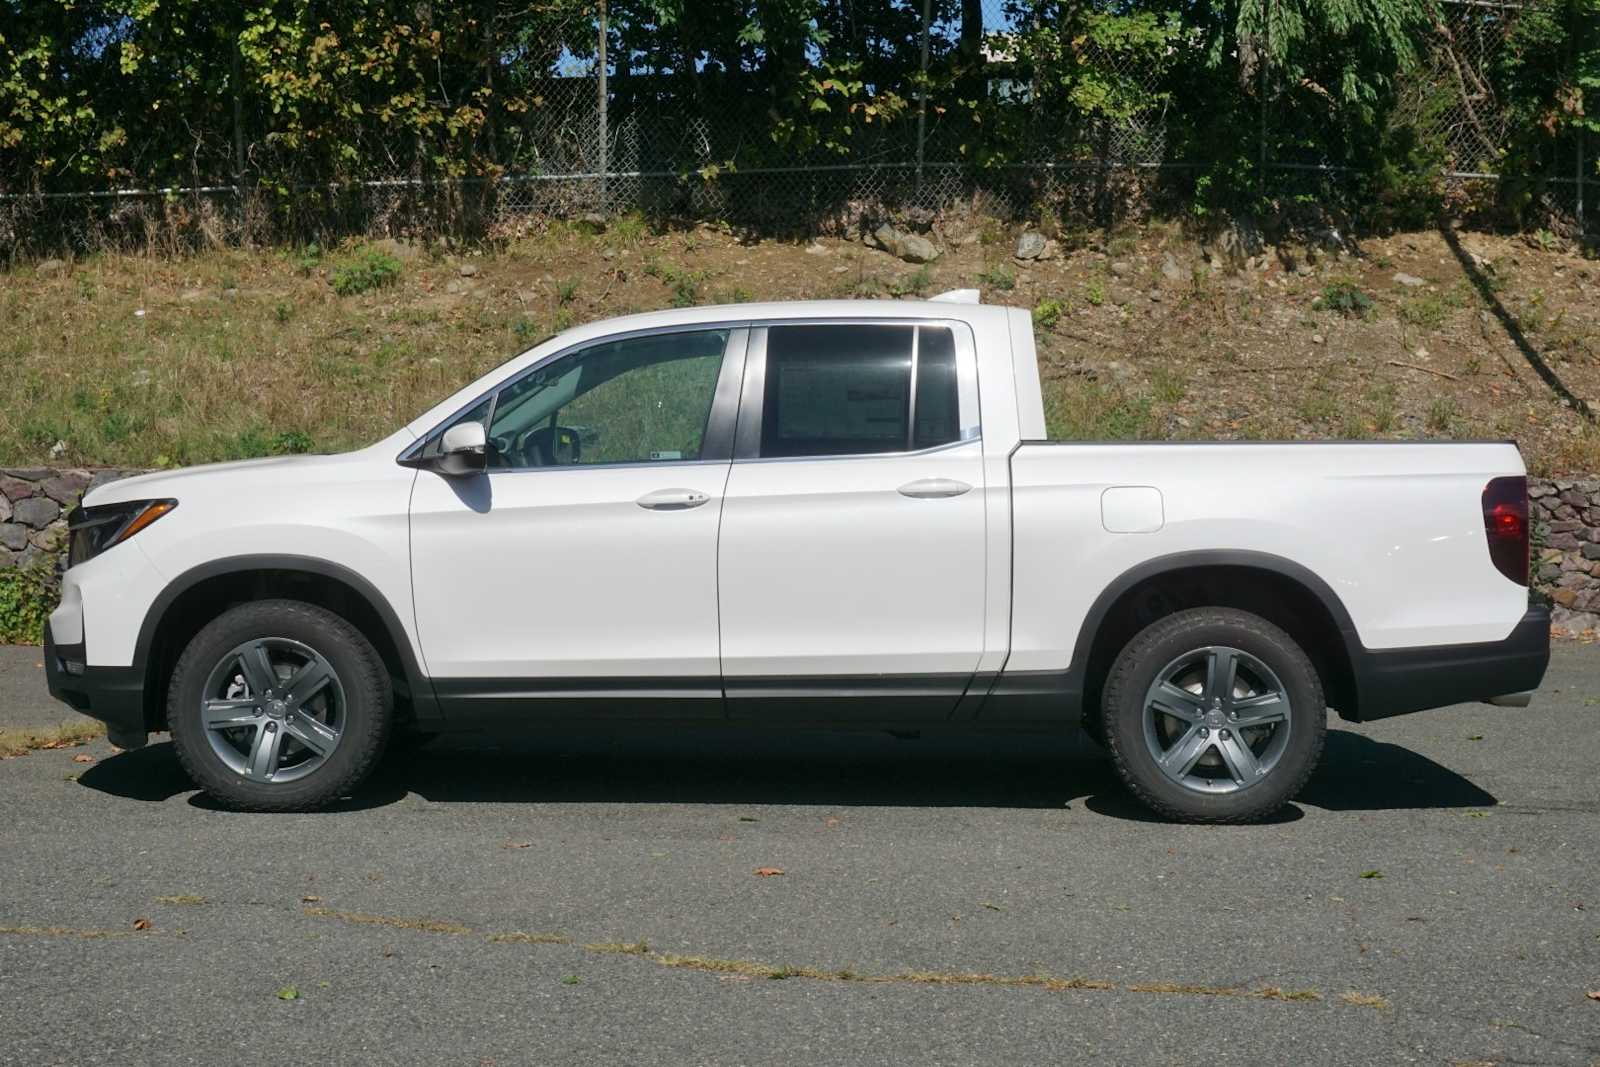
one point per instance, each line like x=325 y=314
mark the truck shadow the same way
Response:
x=865 y=770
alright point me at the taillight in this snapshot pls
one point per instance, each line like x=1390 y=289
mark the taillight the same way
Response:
x=1505 y=524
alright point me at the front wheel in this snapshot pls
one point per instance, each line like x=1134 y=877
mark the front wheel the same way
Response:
x=279 y=705
x=1214 y=715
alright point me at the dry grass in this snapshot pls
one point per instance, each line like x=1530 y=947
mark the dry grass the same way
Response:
x=66 y=931
x=431 y=926
x=619 y=948
x=70 y=735
x=246 y=353
x=1365 y=1000
x=517 y=937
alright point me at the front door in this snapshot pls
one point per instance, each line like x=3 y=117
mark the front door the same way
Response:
x=852 y=559
x=578 y=573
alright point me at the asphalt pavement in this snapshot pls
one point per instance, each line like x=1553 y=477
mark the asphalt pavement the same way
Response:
x=1433 y=897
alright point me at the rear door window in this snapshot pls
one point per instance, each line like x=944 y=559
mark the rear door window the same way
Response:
x=858 y=390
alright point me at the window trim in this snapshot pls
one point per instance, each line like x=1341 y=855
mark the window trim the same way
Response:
x=716 y=446
x=752 y=402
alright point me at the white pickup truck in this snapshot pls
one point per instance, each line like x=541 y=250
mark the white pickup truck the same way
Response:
x=842 y=514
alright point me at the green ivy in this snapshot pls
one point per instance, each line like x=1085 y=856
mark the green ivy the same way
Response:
x=26 y=599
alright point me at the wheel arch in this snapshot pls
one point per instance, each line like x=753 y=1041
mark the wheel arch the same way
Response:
x=201 y=593
x=1280 y=590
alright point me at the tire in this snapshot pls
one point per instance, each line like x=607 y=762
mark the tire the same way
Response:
x=295 y=740
x=1194 y=749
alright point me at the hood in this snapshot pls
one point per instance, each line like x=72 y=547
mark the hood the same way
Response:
x=280 y=470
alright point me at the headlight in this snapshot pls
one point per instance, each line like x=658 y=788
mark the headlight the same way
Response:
x=93 y=530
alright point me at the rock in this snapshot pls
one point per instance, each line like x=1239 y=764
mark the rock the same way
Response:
x=36 y=511
x=1171 y=270
x=907 y=246
x=34 y=474
x=468 y=270
x=29 y=556
x=816 y=249
x=1566 y=542
x=50 y=266
x=1030 y=245
x=49 y=539
x=58 y=450
x=595 y=219
x=1566 y=526
x=66 y=487
x=1539 y=489
x=7 y=559
x=402 y=250
x=1410 y=281
x=1119 y=296
x=1235 y=246
x=454 y=288
x=15 y=488
x=1155 y=295
x=1317 y=338
x=13 y=536
x=1121 y=268
x=1573 y=623
x=1590 y=550
x=5 y=509
x=1549 y=573
x=1565 y=597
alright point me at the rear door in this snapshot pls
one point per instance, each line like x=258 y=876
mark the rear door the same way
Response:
x=851 y=563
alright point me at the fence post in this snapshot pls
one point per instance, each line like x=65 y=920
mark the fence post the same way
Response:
x=922 y=95
x=605 y=133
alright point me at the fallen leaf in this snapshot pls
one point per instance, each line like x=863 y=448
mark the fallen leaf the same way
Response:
x=991 y=906
x=768 y=872
x=1372 y=874
x=1593 y=994
x=82 y=758
x=831 y=822
x=310 y=900
x=288 y=992
x=141 y=924
x=517 y=844
x=748 y=818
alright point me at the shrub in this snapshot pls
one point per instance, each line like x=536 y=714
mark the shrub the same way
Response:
x=1345 y=298
x=372 y=270
x=999 y=277
x=1046 y=312
x=26 y=599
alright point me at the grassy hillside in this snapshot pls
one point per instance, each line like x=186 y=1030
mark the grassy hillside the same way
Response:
x=133 y=361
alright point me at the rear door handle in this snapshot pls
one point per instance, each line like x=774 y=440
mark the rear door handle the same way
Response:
x=934 y=488
x=673 y=499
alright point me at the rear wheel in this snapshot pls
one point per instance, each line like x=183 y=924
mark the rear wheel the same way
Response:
x=1214 y=715
x=279 y=705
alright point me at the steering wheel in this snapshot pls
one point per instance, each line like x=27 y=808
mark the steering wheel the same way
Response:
x=546 y=446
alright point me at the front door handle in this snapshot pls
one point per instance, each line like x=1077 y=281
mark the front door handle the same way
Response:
x=934 y=488
x=673 y=499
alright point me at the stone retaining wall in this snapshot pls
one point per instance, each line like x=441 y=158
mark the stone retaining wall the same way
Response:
x=1566 y=551
x=34 y=503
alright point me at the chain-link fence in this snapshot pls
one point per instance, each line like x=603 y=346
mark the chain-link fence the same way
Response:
x=923 y=105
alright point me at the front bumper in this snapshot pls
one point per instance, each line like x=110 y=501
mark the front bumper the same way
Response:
x=1402 y=680
x=114 y=695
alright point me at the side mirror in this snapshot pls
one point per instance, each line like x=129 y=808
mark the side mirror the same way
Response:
x=463 y=450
